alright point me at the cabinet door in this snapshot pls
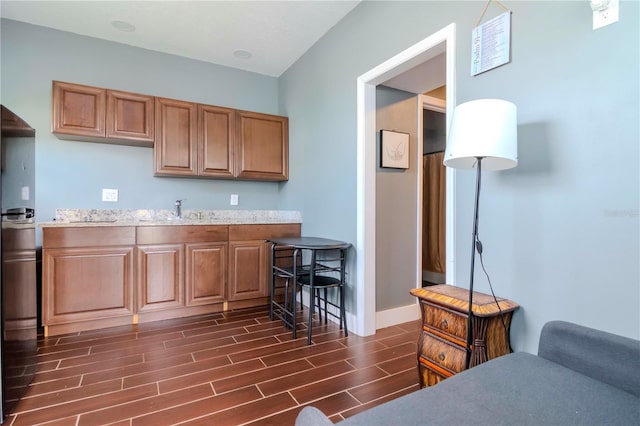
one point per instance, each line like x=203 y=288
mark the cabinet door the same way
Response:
x=78 y=110
x=216 y=136
x=206 y=273
x=262 y=150
x=175 y=147
x=89 y=283
x=160 y=277
x=19 y=284
x=248 y=268
x=130 y=117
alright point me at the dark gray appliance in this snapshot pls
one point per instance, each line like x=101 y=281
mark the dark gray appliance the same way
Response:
x=18 y=266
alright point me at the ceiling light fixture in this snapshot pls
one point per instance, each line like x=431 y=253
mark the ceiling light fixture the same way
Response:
x=123 y=26
x=242 y=54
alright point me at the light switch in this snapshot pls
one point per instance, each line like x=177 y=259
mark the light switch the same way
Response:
x=110 y=195
x=234 y=199
x=25 y=193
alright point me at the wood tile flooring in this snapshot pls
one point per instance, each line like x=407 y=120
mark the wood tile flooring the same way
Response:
x=229 y=368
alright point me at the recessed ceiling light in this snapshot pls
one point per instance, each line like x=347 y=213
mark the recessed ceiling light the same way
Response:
x=242 y=54
x=123 y=26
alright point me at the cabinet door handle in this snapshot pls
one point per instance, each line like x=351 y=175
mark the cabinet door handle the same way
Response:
x=444 y=324
x=441 y=356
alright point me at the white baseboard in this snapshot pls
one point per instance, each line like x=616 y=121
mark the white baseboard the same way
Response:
x=397 y=315
x=384 y=319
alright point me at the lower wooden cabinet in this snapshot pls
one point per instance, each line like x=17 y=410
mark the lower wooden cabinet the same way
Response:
x=168 y=289
x=248 y=269
x=87 y=284
x=205 y=273
x=95 y=277
x=87 y=278
x=160 y=281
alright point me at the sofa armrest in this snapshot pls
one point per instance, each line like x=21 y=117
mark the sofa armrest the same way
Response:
x=311 y=416
x=606 y=357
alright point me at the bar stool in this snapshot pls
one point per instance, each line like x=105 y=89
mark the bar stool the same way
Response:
x=322 y=279
x=316 y=300
x=286 y=267
x=314 y=275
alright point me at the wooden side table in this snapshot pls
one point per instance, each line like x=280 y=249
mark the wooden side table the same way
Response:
x=442 y=343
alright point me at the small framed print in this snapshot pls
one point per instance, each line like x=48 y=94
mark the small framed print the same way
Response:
x=394 y=149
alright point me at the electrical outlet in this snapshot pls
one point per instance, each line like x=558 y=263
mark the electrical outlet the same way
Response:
x=234 y=199
x=110 y=195
x=25 y=193
x=605 y=12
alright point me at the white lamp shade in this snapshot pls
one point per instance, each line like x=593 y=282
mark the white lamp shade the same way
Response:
x=484 y=128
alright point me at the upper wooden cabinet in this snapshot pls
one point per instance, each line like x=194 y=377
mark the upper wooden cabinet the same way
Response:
x=262 y=147
x=231 y=144
x=189 y=139
x=175 y=147
x=78 y=110
x=99 y=115
x=130 y=116
x=216 y=137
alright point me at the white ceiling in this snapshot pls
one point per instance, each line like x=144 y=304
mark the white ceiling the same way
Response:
x=276 y=33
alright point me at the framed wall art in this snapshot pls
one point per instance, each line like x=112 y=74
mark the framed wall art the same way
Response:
x=394 y=149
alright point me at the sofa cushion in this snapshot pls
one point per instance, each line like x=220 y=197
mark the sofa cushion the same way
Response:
x=516 y=389
x=604 y=356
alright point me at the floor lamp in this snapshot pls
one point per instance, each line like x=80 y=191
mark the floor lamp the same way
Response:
x=483 y=135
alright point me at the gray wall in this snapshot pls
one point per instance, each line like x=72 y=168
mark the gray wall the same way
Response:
x=396 y=204
x=560 y=231
x=18 y=171
x=72 y=174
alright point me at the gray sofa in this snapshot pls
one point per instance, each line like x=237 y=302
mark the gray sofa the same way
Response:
x=580 y=376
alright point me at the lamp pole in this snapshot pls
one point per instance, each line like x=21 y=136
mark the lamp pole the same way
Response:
x=474 y=239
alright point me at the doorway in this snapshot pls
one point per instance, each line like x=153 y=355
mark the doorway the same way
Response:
x=367 y=321
x=434 y=135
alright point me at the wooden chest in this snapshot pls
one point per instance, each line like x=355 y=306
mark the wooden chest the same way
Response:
x=445 y=314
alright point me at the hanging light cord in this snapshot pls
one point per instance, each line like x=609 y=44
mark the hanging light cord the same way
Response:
x=504 y=325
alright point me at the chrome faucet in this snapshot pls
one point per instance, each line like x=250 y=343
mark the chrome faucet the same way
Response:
x=179 y=209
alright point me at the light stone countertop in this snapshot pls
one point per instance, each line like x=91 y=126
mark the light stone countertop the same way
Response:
x=115 y=217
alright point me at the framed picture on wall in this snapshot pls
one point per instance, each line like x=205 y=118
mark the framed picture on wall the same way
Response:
x=394 y=149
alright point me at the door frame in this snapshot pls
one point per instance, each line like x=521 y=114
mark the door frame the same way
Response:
x=365 y=321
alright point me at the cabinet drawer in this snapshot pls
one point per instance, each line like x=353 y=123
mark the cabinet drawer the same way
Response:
x=429 y=377
x=443 y=353
x=445 y=321
x=181 y=234
x=263 y=231
x=88 y=236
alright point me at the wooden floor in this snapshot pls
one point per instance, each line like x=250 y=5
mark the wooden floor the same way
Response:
x=224 y=369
